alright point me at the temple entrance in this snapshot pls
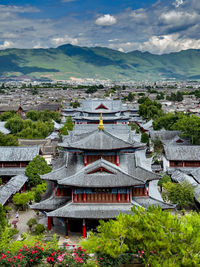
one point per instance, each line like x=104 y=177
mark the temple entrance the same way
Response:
x=75 y=225
x=91 y=224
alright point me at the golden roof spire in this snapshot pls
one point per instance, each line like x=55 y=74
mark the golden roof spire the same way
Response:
x=101 y=126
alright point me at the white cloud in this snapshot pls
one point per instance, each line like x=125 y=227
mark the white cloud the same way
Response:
x=64 y=40
x=178 y=3
x=106 y=20
x=6 y=44
x=177 y=18
x=169 y=43
x=139 y=15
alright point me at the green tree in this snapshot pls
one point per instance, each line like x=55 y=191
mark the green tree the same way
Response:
x=68 y=126
x=3 y=222
x=167 y=121
x=165 y=179
x=145 y=138
x=31 y=222
x=14 y=124
x=32 y=115
x=181 y=194
x=75 y=104
x=8 y=140
x=39 y=229
x=69 y=123
x=150 y=109
x=35 y=168
x=7 y=115
x=131 y=97
x=158 y=237
x=190 y=128
x=21 y=200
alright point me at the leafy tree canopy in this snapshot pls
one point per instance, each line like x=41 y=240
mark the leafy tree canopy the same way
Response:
x=8 y=140
x=35 y=168
x=7 y=115
x=145 y=138
x=181 y=194
x=161 y=238
x=150 y=109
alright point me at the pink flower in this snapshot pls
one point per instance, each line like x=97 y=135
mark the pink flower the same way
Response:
x=60 y=259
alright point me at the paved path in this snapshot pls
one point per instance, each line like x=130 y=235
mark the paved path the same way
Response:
x=58 y=228
x=24 y=216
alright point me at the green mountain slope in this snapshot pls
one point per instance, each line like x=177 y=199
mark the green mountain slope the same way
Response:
x=82 y=62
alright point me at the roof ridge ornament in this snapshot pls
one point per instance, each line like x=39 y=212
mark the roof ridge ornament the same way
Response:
x=101 y=126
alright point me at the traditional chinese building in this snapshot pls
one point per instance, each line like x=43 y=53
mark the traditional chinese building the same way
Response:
x=114 y=112
x=101 y=177
x=185 y=157
x=14 y=159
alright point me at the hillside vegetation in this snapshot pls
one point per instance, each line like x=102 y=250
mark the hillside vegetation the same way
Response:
x=68 y=61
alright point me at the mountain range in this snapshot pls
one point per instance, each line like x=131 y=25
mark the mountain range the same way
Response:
x=68 y=61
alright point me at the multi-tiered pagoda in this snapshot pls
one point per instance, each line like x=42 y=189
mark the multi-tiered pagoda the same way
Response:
x=114 y=112
x=102 y=175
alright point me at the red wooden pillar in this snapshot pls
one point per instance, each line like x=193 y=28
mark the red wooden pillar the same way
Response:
x=84 y=197
x=145 y=191
x=85 y=160
x=58 y=192
x=118 y=197
x=127 y=197
x=117 y=160
x=84 y=229
x=49 y=223
x=75 y=197
x=24 y=188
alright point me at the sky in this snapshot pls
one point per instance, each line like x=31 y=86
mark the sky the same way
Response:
x=159 y=27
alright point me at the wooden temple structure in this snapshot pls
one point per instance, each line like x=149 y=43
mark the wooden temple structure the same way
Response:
x=114 y=112
x=100 y=176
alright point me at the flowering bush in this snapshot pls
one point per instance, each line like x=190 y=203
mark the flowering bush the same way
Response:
x=41 y=253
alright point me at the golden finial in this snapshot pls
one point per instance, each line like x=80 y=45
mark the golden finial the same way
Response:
x=101 y=126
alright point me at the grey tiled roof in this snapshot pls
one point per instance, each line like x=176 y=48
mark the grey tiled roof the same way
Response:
x=91 y=210
x=56 y=174
x=51 y=203
x=73 y=163
x=100 y=140
x=196 y=174
x=118 y=177
x=163 y=134
x=179 y=177
x=12 y=171
x=128 y=164
x=147 y=126
x=3 y=129
x=149 y=201
x=188 y=153
x=113 y=118
x=121 y=131
x=91 y=105
x=142 y=160
x=17 y=153
x=12 y=187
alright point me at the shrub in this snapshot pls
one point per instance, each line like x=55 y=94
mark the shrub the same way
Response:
x=39 y=229
x=31 y=222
